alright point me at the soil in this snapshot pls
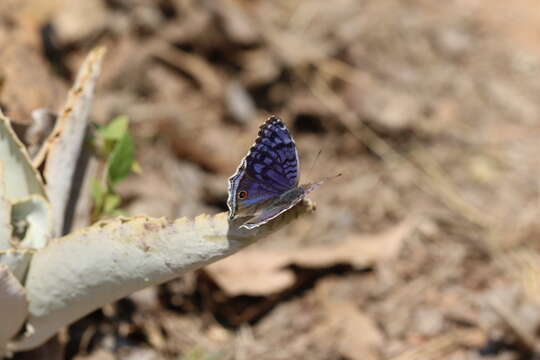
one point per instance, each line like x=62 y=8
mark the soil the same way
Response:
x=426 y=248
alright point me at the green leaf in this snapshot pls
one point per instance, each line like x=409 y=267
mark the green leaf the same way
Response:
x=121 y=160
x=98 y=194
x=116 y=129
x=111 y=203
x=119 y=212
x=117 y=145
x=136 y=168
x=198 y=353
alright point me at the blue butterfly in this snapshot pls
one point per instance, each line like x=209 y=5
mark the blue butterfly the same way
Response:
x=265 y=184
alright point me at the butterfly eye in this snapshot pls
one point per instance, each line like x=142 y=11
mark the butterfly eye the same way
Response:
x=242 y=194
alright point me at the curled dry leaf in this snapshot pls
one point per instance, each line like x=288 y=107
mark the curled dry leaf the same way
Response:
x=342 y=322
x=262 y=272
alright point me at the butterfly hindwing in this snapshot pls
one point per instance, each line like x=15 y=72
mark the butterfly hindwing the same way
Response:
x=281 y=204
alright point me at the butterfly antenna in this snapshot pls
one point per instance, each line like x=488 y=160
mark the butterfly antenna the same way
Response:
x=314 y=162
x=332 y=177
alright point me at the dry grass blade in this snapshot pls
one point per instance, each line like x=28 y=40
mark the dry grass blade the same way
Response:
x=442 y=346
x=200 y=70
x=434 y=180
x=524 y=265
x=526 y=338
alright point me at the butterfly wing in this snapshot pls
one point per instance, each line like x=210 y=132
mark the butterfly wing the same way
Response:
x=279 y=205
x=269 y=169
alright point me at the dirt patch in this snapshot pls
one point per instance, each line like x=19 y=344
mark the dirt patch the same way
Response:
x=429 y=109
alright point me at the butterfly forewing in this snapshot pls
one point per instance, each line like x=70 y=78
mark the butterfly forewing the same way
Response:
x=269 y=169
x=273 y=158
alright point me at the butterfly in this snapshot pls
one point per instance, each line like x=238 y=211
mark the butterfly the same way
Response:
x=265 y=185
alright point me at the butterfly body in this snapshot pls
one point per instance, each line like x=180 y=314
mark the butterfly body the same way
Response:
x=266 y=183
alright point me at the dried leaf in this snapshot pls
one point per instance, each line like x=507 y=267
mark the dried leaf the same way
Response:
x=260 y=272
x=440 y=347
x=349 y=322
x=26 y=79
x=237 y=23
x=68 y=24
x=294 y=49
x=197 y=67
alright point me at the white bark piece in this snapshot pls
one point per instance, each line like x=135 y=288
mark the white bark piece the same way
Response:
x=20 y=179
x=16 y=261
x=5 y=215
x=5 y=224
x=64 y=143
x=35 y=212
x=80 y=272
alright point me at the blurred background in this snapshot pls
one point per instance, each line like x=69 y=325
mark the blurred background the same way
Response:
x=426 y=248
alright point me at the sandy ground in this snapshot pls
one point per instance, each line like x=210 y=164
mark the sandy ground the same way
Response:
x=426 y=247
